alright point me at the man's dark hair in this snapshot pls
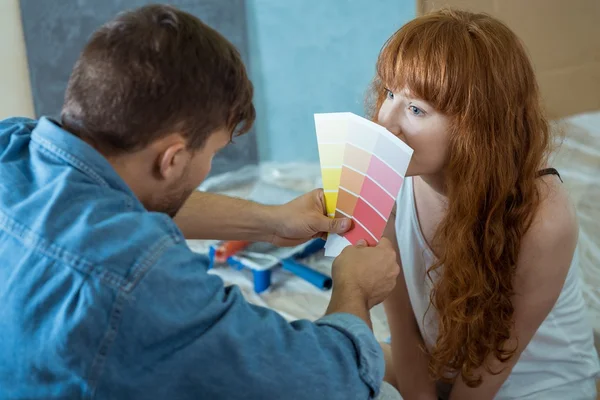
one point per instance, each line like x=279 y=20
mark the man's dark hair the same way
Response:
x=154 y=71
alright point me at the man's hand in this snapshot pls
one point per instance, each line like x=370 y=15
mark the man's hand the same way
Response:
x=362 y=278
x=368 y=272
x=304 y=218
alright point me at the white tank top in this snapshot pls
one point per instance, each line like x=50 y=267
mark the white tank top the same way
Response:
x=560 y=362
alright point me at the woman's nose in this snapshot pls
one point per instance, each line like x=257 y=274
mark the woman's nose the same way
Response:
x=388 y=121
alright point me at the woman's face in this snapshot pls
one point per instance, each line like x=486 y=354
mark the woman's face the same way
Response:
x=421 y=127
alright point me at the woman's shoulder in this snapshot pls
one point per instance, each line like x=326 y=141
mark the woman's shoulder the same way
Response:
x=555 y=219
x=549 y=244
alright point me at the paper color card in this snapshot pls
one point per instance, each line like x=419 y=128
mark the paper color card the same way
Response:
x=363 y=167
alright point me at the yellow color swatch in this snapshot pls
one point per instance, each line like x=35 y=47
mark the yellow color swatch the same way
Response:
x=331 y=177
x=332 y=130
x=331 y=183
x=330 y=202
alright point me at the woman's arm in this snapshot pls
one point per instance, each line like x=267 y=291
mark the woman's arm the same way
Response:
x=407 y=362
x=544 y=260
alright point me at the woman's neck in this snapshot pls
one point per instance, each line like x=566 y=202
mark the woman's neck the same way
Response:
x=437 y=183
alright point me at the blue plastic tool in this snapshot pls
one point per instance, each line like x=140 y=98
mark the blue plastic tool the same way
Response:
x=316 y=278
x=261 y=263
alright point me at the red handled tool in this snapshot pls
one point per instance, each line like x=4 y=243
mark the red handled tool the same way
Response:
x=229 y=248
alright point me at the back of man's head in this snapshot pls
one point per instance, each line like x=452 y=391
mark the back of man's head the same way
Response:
x=155 y=71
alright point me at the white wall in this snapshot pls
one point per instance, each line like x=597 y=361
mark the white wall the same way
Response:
x=15 y=89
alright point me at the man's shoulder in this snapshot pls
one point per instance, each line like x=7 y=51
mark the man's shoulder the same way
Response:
x=56 y=211
x=16 y=124
x=17 y=121
x=122 y=244
x=95 y=232
x=12 y=126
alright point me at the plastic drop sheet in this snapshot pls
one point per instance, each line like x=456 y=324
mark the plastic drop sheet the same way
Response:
x=290 y=296
x=578 y=161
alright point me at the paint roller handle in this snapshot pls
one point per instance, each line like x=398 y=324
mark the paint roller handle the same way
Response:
x=311 y=248
x=316 y=278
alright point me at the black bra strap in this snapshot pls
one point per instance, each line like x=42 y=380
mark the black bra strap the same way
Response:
x=549 y=171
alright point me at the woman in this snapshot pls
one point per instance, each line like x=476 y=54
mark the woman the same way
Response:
x=489 y=304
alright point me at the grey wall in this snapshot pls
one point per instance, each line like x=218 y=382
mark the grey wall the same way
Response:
x=56 y=31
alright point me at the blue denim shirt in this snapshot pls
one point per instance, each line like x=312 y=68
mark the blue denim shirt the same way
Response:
x=101 y=299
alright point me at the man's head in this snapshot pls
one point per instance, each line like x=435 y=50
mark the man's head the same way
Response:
x=158 y=92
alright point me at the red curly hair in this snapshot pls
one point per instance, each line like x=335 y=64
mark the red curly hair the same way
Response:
x=473 y=69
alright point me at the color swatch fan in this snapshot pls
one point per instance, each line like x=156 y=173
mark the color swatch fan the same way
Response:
x=363 y=167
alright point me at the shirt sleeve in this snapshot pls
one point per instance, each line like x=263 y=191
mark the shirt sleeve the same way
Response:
x=182 y=334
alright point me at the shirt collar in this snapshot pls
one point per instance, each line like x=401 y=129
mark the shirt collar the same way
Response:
x=78 y=154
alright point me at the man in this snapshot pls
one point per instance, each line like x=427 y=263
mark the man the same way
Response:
x=101 y=298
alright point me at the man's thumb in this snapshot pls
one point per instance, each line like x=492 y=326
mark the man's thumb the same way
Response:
x=361 y=243
x=339 y=225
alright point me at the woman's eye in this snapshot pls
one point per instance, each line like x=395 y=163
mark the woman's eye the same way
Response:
x=414 y=110
x=389 y=94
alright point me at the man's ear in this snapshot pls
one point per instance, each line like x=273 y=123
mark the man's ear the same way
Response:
x=172 y=160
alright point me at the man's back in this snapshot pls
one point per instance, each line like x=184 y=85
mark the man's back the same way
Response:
x=71 y=242
x=103 y=299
